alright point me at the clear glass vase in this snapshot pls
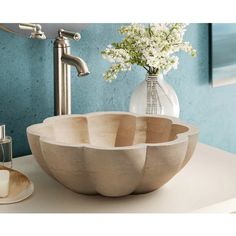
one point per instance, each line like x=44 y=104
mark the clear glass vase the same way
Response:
x=154 y=96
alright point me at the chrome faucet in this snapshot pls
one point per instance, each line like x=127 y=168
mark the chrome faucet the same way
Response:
x=62 y=71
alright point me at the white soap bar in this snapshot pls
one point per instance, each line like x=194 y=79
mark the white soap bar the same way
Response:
x=4 y=183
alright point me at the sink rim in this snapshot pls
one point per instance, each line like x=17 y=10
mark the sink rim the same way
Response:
x=180 y=137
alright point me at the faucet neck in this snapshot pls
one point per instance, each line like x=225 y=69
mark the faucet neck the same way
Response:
x=62 y=78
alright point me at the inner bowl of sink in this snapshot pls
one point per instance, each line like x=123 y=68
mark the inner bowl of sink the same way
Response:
x=112 y=153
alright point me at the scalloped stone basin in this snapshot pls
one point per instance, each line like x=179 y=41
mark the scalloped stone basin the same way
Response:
x=112 y=153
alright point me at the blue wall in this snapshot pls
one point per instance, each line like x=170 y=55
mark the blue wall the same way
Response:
x=26 y=85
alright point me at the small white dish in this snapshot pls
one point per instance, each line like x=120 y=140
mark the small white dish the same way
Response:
x=20 y=187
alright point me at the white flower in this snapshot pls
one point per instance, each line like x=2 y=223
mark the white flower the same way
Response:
x=152 y=47
x=116 y=55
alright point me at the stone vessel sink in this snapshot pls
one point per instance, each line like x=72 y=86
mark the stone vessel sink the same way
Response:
x=112 y=153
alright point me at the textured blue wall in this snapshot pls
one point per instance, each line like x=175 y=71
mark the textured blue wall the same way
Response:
x=26 y=85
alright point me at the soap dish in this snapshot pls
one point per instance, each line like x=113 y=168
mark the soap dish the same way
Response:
x=20 y=187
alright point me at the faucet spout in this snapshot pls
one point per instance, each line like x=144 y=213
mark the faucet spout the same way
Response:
x=77 y=62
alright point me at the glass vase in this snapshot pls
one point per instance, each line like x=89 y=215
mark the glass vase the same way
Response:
x=156 y=97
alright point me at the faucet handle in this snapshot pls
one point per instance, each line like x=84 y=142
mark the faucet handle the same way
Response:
x=69 y=34
x=36 y=29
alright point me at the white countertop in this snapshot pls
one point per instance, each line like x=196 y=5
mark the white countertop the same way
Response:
x=209 y=178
